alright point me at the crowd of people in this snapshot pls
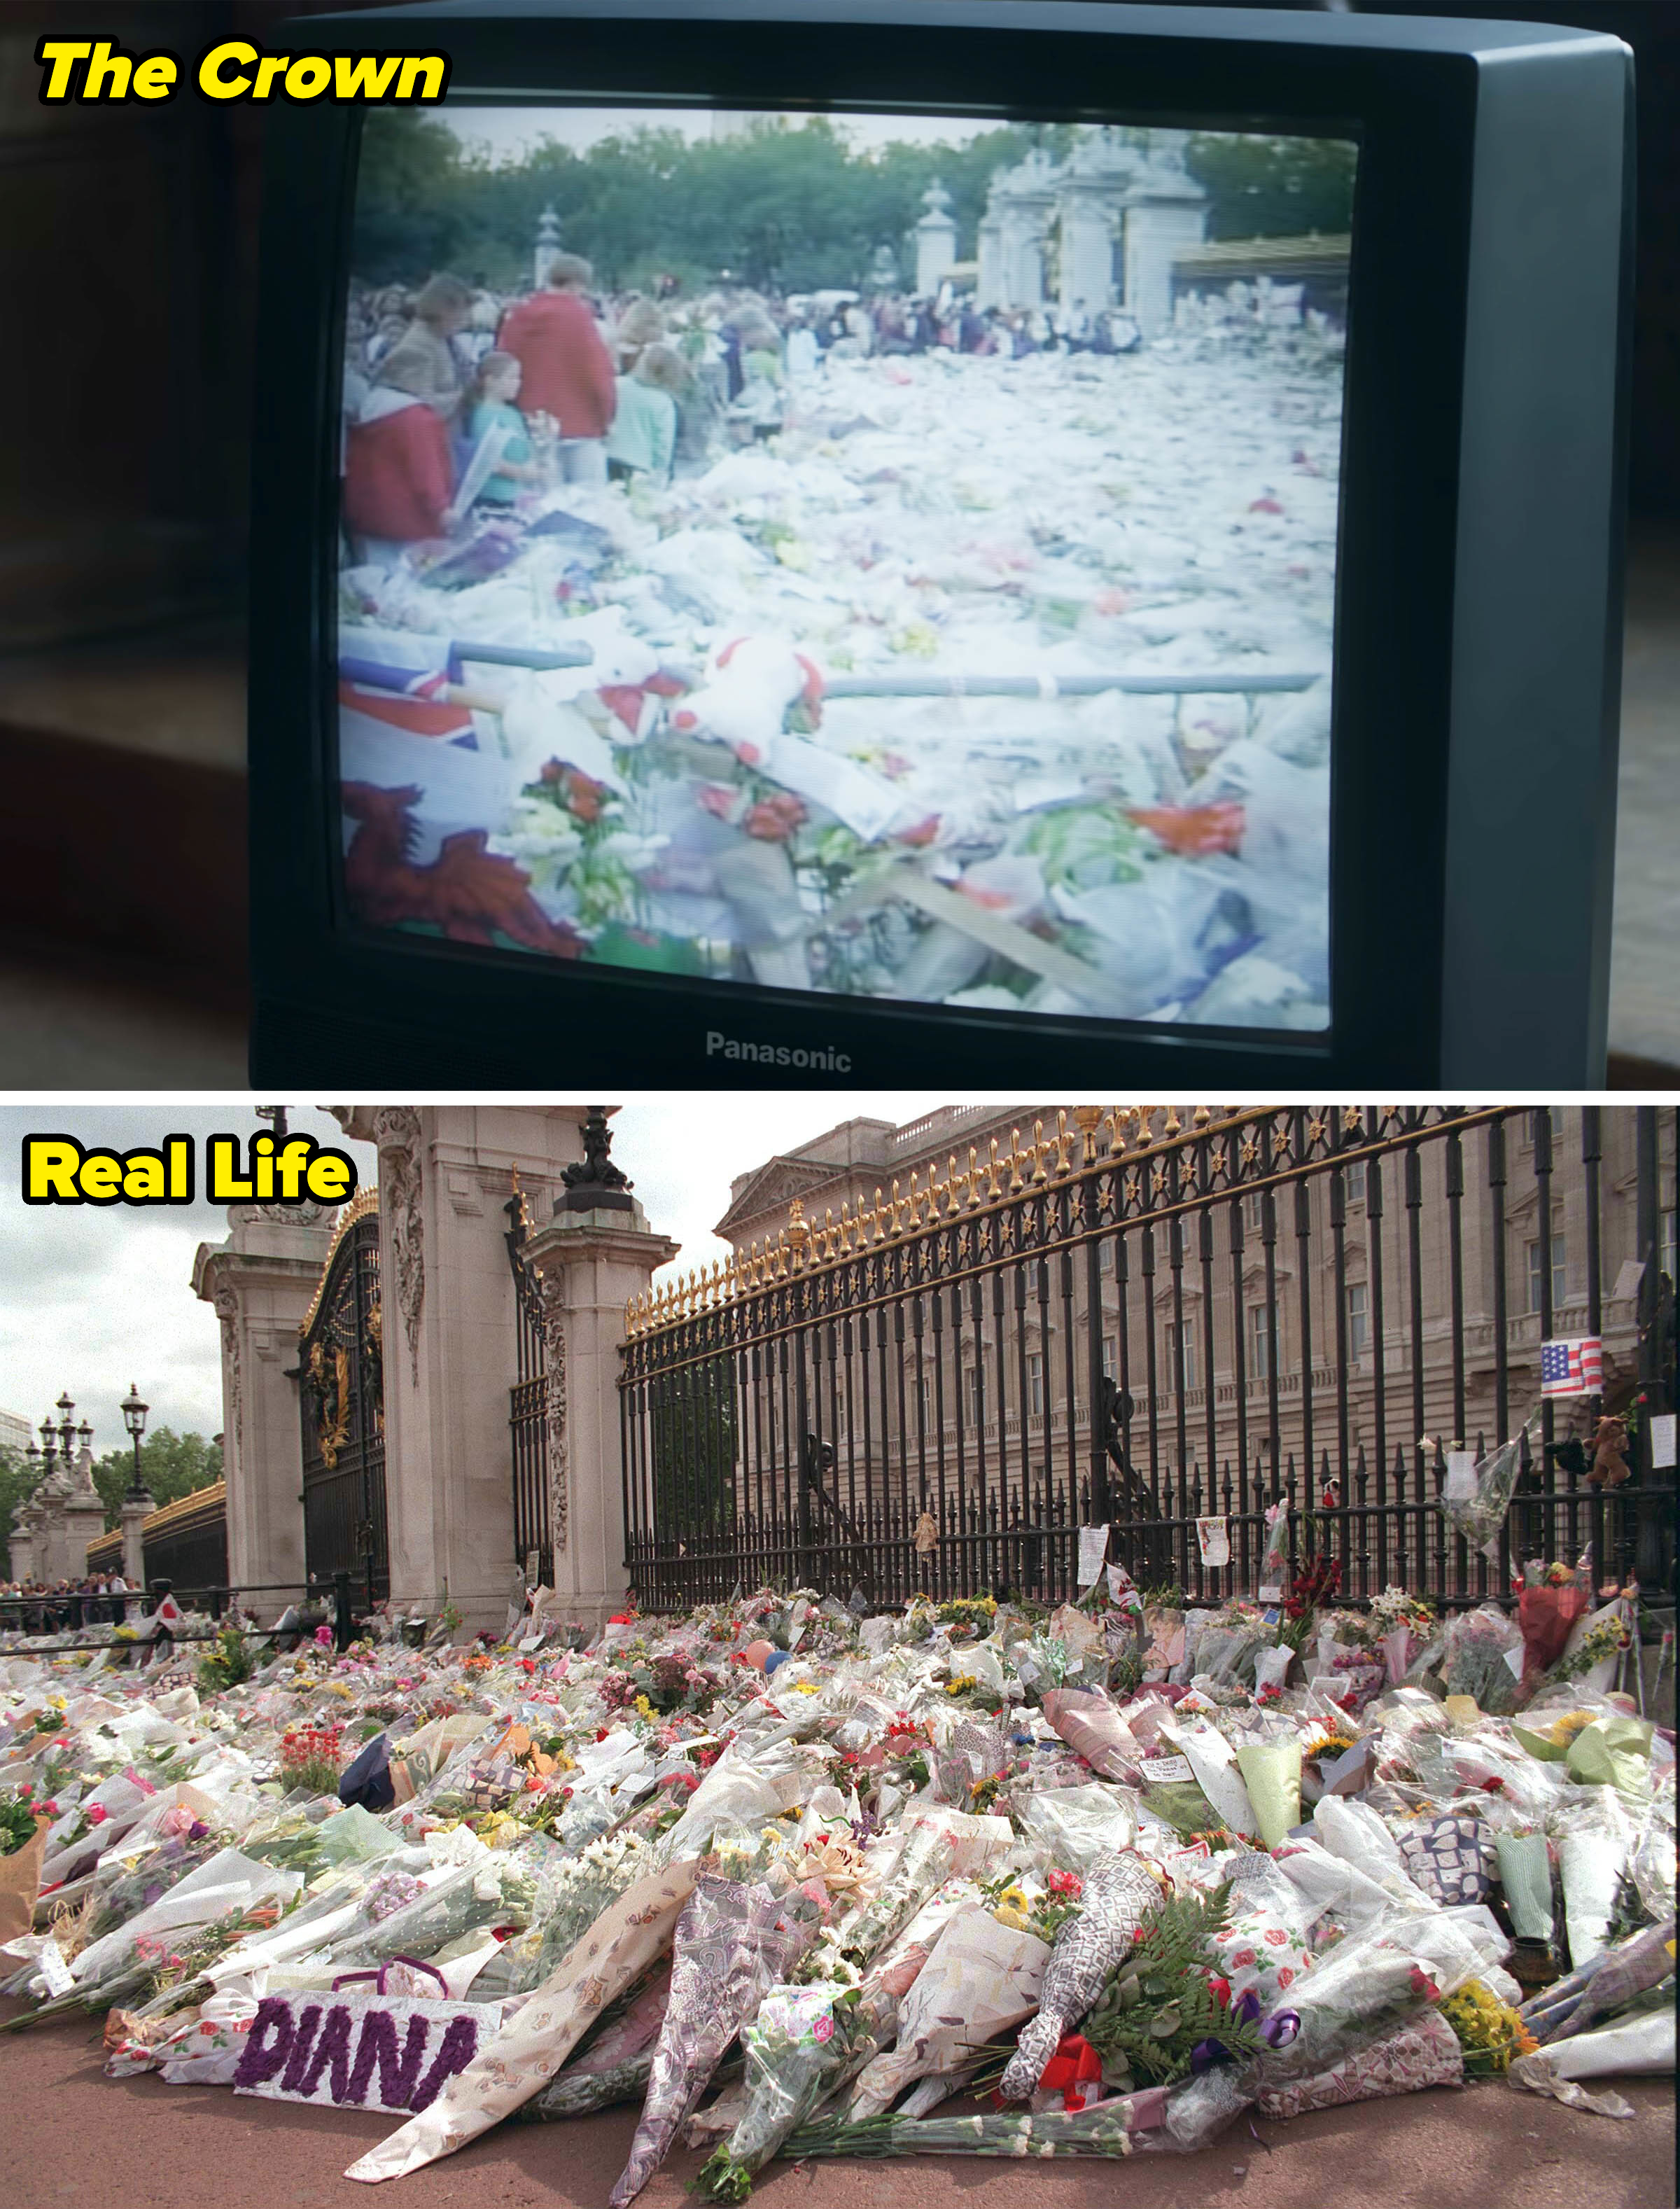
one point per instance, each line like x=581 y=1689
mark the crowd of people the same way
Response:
x=457 y=401
x=64 y=1606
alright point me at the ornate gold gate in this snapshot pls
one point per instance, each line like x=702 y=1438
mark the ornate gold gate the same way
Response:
x=342 y=1406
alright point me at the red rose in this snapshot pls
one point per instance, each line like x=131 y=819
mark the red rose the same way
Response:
x=1275 y=1936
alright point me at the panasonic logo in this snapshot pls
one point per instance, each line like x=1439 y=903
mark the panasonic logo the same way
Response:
x=830 y=1061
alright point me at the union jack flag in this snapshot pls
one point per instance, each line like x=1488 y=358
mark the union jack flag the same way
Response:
x=1572 y=1369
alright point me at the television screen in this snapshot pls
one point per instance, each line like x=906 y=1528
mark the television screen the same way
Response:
x=893 y=556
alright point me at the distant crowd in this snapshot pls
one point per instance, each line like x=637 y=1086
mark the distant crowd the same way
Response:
x=458 y=403
x=63 y=1606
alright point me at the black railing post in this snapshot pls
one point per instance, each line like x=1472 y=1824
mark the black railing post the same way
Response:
x=341 y=1618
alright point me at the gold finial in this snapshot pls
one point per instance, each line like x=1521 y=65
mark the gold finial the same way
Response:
x=797 y=1234
x=1087 y=1118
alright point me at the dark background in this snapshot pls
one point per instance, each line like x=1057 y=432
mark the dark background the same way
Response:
x=127 y=253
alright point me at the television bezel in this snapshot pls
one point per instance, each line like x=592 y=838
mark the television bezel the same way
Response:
x=1431 y=980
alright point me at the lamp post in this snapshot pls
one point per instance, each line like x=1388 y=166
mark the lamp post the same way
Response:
x=137 y=1501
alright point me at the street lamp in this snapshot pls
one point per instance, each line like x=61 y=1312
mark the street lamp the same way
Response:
x=133 y=1419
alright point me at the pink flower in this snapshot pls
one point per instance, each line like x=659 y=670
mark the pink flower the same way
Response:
x=323 y=1635
x=1285 y=1975
x=823 y=2029
x=1243 y=1960
x=1276 y=1935
x=96 y=1814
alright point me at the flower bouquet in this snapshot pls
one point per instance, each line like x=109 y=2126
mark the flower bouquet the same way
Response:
x=1368 y=1985
x=937 y=1845
x=311 y=1758
x=804 y=2042
x=983 y=1978
x=732 y=1944
x=534 y=2041
x=490 y=1890
x=615 y=2064
x=1489 y=2031
x=1166 y=2010
x=1477 y=1517
x=1478 y=1658
x=1423 y=2052
x=1102 y=2128
x=570 y=1897
x=1119 y=1898
x=22 y=1847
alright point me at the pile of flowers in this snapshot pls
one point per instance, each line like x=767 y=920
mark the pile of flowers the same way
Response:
x=1133 y=1885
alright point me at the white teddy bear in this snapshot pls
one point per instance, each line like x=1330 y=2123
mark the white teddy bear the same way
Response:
x=750 y=684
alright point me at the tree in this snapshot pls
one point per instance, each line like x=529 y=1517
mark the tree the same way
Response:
x=173 y=1465
x=1274 y=187
x=694 y=1450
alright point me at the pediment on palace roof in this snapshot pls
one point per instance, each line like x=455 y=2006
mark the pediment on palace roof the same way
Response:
x=773 y=1188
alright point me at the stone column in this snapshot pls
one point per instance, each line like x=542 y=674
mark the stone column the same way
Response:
x=1088 y=248
x=1159 y=227
x=548 y=244
x=935 y=241
x=135 y=1511
x=991 y=289
x=451 y=1341
x=260 y=1283
x=594 y=1256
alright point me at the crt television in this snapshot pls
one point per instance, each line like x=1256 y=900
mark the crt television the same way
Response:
x=829 y=539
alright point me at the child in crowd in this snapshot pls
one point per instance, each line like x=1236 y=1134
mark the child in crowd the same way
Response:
x=491 y=412
x=642 y=440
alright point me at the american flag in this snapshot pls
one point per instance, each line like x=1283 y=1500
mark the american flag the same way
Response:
x=1572 y=1369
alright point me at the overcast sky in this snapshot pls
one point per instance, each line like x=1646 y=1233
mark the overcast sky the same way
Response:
x=508 y=134
x=93 y=1299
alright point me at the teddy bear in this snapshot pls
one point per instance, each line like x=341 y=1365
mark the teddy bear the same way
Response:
x=1610 y=1464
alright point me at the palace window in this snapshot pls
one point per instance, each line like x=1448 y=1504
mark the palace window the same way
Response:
x=1358 y=1320
x=1559 y=1272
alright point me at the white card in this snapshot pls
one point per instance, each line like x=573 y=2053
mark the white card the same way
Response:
x=1514 y=1658
x=1214 y=1538
x=532 y=1641
x=1093 y=1549
x=1272 y=1591
x=1157 y=1770
x=54 y=1969
x=1628 y=1280
x=1460 y=1476
x=1662 y=1441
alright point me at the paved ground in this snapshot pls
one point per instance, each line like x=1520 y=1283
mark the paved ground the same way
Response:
x=70 y=2134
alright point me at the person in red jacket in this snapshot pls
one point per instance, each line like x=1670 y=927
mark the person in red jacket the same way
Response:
x=567 y=370
x=397 y=476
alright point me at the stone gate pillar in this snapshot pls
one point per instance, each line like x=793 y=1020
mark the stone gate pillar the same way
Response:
x=596 y=1254
x=259 y=1284
x=450 y=1335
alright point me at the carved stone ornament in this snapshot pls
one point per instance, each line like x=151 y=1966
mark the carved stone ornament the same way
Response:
x=233 y=1418
x=397 y=1134
x=552 y=1289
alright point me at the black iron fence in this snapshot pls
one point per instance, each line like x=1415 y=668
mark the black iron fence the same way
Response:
x=528 y=1405
x=76 y=1611
x=1132 y=1319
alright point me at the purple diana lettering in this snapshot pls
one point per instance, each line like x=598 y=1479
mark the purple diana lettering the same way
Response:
x=268 y=2043
x=460 y=2045
x=308 y=2024
x=332 y=2048
x=378 y=2044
